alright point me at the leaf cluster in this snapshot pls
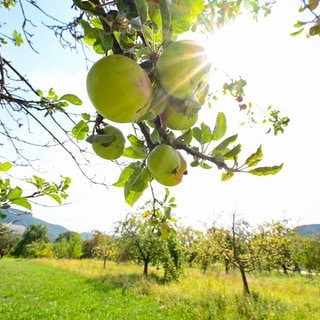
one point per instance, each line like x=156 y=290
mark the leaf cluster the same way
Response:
x=14 y=195
x=141 y=29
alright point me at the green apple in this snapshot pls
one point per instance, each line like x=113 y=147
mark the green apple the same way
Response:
x=180 y=120
x=119 y=89
x=166 y=165
x=175 y=178
x=159 y=103
x=109 y=144
x=181 y=66
x=163 y=160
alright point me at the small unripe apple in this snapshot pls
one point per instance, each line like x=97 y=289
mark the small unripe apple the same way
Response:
x=180 y=120
x=109 y=144
x=175 y=178
x=166 y=165
x=181 y=66
x=119 y=89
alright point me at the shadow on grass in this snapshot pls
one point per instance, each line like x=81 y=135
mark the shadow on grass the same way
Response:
x=127 y=281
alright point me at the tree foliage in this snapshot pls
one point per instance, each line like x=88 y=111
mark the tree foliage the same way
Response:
x=33 y=239
x=68 y=245
x=140 y=30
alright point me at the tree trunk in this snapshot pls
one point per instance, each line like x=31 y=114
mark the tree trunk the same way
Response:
x=285 y=269
x=104 y=262
x=226 y=266
x=145 y=268
x=244 y=281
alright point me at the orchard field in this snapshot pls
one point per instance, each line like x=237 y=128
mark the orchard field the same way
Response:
x=83 y=289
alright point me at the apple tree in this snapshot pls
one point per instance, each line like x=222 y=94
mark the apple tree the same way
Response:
x=156 y=81
x=7 y=240
x=100 y=246
x=150 y=77
x=34 y=242
x=68 y=245
x=148 y=236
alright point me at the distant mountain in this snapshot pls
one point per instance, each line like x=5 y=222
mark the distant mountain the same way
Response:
x=19 y=220
x=308 y=229
x=86 y=235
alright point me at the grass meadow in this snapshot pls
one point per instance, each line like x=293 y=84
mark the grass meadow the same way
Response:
x=82 y=289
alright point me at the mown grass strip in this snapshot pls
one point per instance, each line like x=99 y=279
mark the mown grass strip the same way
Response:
x=29 y=290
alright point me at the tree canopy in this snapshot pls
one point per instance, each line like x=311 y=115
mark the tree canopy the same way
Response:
x=144 y=32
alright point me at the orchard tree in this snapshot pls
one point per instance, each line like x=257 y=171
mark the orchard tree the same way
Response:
x=35 y=233
x=276 y=242
x=100 y=246
x=239 y=250
x=7 y=240
x=305 y=252
x=147 y=77
x=139 y=241
x=149 y=235
x=190 y=240
x=68 y=245
x=212 y=248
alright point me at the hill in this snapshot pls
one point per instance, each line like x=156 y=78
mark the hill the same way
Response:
x=19 y=220
x=308 y=229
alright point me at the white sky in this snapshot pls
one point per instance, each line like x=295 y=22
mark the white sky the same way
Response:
x=280 y=70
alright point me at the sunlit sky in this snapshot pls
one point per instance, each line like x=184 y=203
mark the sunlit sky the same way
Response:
x=281 y=71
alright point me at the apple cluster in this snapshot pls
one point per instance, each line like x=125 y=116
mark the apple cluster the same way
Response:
x=122 y=91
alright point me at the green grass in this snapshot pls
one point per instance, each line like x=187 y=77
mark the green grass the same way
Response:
x=82 y=289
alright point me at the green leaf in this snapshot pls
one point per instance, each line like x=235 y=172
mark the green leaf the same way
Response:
x=72 y=98
x=233 y=153
x=89 y=6
x=299 y=24
x=227 y=175
x=8 y=3
x=255 y=158
x=184 y=13
x=133 y=153
x=224 y=144
x=5 y=166
x=220 y=126
x=128 y=6
x=56 y=197
x=297 y=32
x=22 y=202
x=85 y=116
x=264 y=171
x=14 y=193
x=185 y=138
x=221 y=148
x=136 y=184
x=205 y=165
x=141 y=6
x=17 y=38
x=91 y=35
x=166 y=21
x=197 y=134
x=206 y=133
x=103 y=139
x=125 y=174
x=37 y=181
x=80 y=130
x=52 y=95
x=106 y=40
x=137 y=150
